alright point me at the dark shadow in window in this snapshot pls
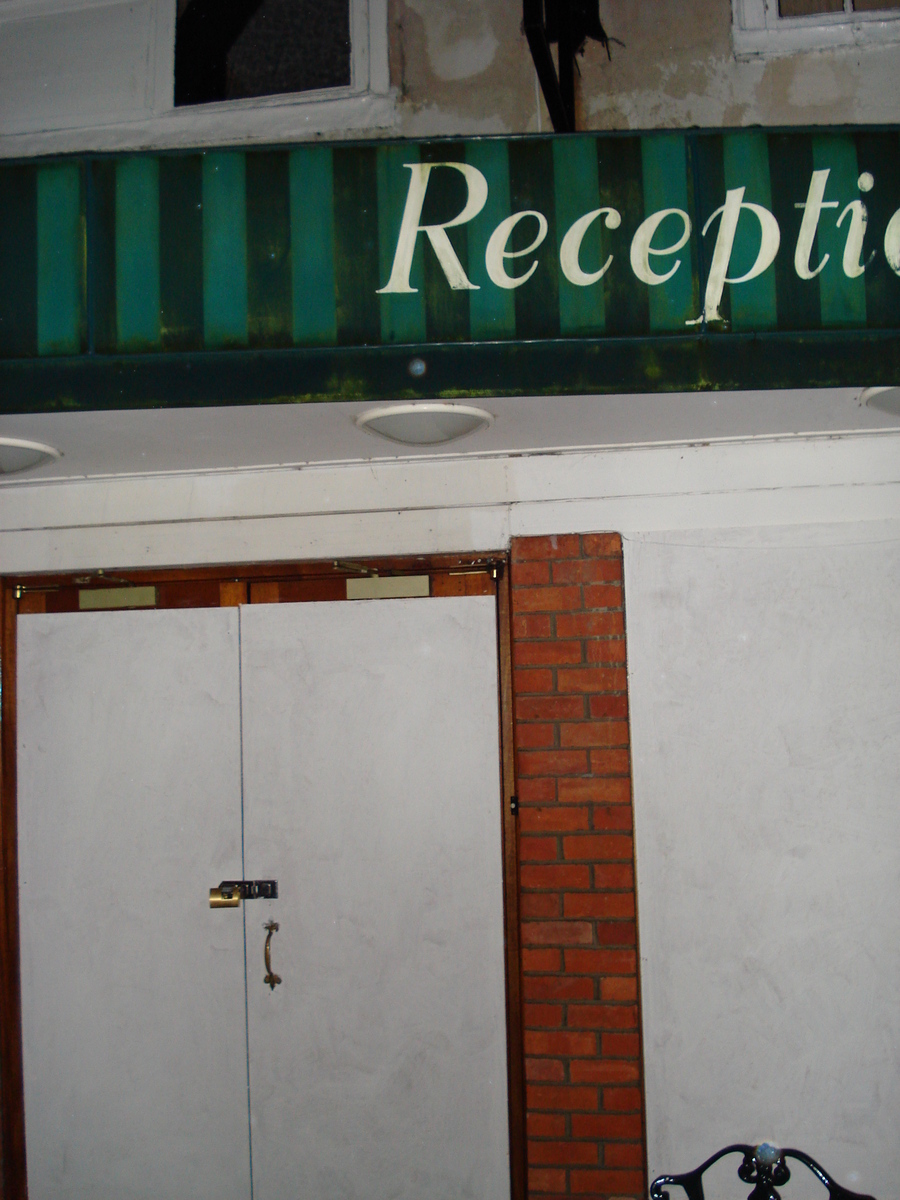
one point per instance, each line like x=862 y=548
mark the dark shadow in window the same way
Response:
x=231 y=49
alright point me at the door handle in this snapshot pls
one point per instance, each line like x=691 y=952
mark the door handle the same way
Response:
x=271 y=979
x=231 y=892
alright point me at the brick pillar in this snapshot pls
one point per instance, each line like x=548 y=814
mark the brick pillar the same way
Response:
x=582 y=1041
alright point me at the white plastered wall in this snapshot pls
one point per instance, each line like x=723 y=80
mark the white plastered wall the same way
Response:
x=765 y=765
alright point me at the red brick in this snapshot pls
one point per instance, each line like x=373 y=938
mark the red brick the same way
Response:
x=617 y=818
x=618 y=988
x=558 y=819
x=551 y=653
x=604 y=650
x=601 y=1126
x=598 y=791
x=546 y=1125
x=587 y=570
x=558 y=987
x=598 y=846
x=532 y=625
x=543 y=1016
x=611 y=707
x=599 y=962
x=590 y=625
x=562 y=1153
x=615 y=933
x=565 y=1099
x=557 y=876
x=614 y=876
x=547 y=599
x=590 y=679
x=614 y=1070
x=602 y=1016
x=620 y=1045
x=530 y=680
x=594 y=733
x=546 y=1070
x=607 y=1182
x=535 y=736
x=537 y=791
x=623 y=1154
x=578 y=1045
x=610 y=762
x=622 y=1099
x=566 y=545
x=602 y=595
x=590 y=904
x=539 y=904
x=537 y=849
x=542 y=1179
x=553 y=762
x=557 y=933
x=530 y=574
x=542 y=960
x=549 y=708
x=598 y=544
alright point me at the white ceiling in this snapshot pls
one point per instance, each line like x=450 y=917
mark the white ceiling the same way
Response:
x=150 y=442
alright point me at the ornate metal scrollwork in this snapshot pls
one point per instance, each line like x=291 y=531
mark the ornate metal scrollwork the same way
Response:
x=763 y=1166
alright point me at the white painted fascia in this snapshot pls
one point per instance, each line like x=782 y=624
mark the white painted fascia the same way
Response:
x=759 y=31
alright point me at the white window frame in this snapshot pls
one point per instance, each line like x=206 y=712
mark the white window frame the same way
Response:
x=758 y=29
x=368 y=103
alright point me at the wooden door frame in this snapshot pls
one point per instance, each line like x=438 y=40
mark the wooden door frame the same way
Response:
x=227 y=586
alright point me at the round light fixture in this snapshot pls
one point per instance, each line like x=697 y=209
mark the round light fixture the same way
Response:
x=423 y=424
x=885 y=399
x=18 y=454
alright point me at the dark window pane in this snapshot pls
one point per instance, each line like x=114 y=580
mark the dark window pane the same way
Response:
x=809 y=8
x=229 y=49
x=874 y=5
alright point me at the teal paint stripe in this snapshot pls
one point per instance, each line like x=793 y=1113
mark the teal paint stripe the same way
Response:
x=225 y=321
x=492 y=310
x=746 y=164
x=61 y=259
x=402 y=316
x=312 y=246
x=577 y=191
x=664 y=166
x=137 y=253
x=843 y=300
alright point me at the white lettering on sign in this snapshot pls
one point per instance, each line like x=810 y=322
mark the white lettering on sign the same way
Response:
x=570 y=247
x=642 y=251
x=769 y=241
x=641 y=248
x=496 y=249
x=476 y=195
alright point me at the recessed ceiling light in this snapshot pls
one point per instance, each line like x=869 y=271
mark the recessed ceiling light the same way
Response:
x=423 y=424
x=885 y=399
x=17 y=454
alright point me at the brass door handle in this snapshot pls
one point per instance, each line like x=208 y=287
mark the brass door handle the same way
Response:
x=271 y=978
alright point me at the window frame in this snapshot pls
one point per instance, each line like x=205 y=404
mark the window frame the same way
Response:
x=758 y=29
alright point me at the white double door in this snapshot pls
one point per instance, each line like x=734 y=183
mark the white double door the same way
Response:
x=347 y=750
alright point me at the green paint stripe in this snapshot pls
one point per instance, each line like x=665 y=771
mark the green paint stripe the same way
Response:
x=879 y=154
x=181 y=251
x=137 y=253
x=790 y=168
x=621 y=188
x=61 y=259
x=531 y=189
x=446 y=309
x=225 y=318
x=492 y=310
x=745 y=158
x=312 y=246
x=356 y=245
x=664 y=169
x=269 y=291
x=18 y=262
x=582 y=310
x=843 y=299
x=402 y=316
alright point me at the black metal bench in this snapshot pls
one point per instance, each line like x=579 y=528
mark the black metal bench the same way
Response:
x=764 y=1166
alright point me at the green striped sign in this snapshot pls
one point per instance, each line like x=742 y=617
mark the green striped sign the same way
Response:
x=615 y=236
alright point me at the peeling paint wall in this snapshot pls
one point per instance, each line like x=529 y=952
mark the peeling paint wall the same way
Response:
x=464 y=68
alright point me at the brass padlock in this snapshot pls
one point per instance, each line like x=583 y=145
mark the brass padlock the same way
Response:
x=224 y=897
